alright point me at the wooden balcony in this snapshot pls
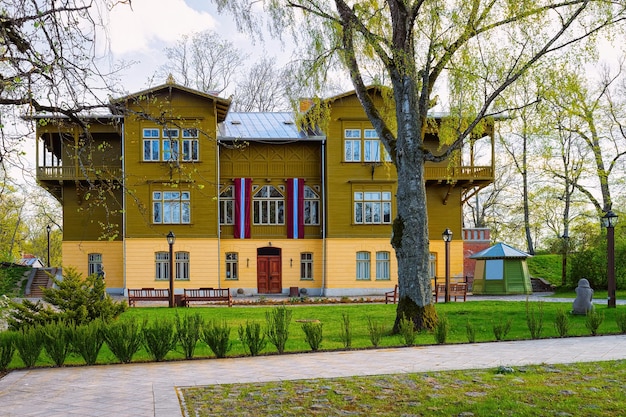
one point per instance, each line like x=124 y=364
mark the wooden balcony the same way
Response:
x=93 y=173
x=459 y=174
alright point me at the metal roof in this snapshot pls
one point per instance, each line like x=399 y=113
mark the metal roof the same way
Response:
x=500 y=251
x=274 y=126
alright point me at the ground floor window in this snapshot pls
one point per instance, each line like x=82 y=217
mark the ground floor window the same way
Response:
x=232 y=265
x=383 y=266
x=363 y=265
x=306 y=266
x=94 y=263
x=182 y=265
x=162 y=266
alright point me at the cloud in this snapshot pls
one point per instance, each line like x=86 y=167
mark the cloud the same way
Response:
x=151 y=23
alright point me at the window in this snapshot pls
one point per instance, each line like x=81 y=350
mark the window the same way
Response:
x=372 y=207
x=311 y=206
x=94 y=263
x=352 y=145
x=162 y=266
x=151 y=145
x=382 y=266
x=306 y=266
x=371 y=151
x=182 y=265
x=170 y=150
x=171 y=207
x=170 y=133
x=190 y=133
x=232 y=266
x=432 y=266
x=227 y=205
x=269 y=206
x=190 y=149
x=363 y=265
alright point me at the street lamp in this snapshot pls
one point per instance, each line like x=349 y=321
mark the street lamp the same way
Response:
x=447 y=237
x=48 y=228
x=609 y=220
x=170 y=241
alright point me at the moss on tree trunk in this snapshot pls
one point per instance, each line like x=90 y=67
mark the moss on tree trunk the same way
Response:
x=424 y=318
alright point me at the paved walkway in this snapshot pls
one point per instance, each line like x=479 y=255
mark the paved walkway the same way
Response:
x=151 y=389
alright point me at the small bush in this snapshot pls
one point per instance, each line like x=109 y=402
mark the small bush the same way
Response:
x=345 y=330
x=252 y=338
x=376 y=331
x=534 y=319
x=313 y=334
x=7 y=349
x=88 y=339
x=470 y=331
x=57 y=341
x=217 y=336
x=188 y=331
x=562 y=324
x=406 y=330
x=441 y=330
x=124 y=338
x=159 y=338
x=620 y=320
x=593 y=321
x=501 y=329
x=29 y=344
x=278 y=327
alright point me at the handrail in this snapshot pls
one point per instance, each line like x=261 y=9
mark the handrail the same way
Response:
x=59 y=173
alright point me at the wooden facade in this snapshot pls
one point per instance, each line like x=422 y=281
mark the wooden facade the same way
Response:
x=257 y=204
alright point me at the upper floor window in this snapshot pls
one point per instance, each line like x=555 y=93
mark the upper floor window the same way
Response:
x=352 y=145
x=171 y=207
x=372 y=207
x=227 y=205
x=373 y=149
x=268 y=206
x=165 y=145
x=311 y=206
x=94 y=263
x=170 y=133
x=151 y=145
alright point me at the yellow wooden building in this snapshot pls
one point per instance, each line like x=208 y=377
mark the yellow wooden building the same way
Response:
x=257 y=202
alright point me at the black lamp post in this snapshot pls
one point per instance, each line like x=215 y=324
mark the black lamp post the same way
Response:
x=609 y=220
x=48 y=228
x=170 y=241
x=447 y=237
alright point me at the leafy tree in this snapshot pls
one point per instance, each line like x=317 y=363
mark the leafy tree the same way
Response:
x=479 y=48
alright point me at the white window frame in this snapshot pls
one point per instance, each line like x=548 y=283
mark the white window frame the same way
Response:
x=182 y=265
x=190 y=132
x=363 y=266
x=171 y=207
x=162 y=266
x=268 y=207
x=352 y=145
x=190 y=150
x=372 y=207
x=306 y=266
x=232 y=266
x=227 y=206
x=311 y=207
x=383 y=265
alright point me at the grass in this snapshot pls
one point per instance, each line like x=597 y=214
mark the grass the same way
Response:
x=582 y=389
x=546 y=266
x=9 y=278
x=483 y=315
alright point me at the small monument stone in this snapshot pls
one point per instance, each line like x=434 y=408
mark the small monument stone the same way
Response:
x=584 y=295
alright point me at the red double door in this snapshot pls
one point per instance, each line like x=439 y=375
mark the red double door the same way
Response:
x=269 y=271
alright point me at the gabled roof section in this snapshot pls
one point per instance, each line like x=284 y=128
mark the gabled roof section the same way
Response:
x=222 y=104
x=500 y=251
x=261 y=127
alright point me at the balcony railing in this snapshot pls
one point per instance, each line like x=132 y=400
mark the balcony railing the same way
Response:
x=62 y=173
x=462 y=173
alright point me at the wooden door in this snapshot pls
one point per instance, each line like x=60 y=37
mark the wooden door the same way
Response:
x=269 y=274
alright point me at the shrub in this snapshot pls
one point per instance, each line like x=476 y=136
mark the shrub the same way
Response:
x=252 y=338
x=277 y=331
x=57 y=341
x=501 y=329
x=29 y=314
x=28 y=343
x=188 y=331
x=562 y=323
x=313 y=334
x=376 y=331
x=406 y=330
x=441 y=330
x=470 y=331
x=159 y=338
x=124 y=338
x=593 y=321
x=88 y=339
x=534 y=320
x=217 y=336
x=620 y=320
x=346 y=331
x=7 y=349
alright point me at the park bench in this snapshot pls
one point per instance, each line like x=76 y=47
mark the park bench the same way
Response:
x=147 y=294
x=391 y=296
x=207 y=294
x=457 y=289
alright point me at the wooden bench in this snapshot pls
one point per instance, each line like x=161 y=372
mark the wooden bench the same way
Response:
x=147 y=294
x=391 y=296
x=458 y=289
x=207 y=294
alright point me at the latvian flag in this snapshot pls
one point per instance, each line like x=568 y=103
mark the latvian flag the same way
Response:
x=243 y=188
x=295 y=208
